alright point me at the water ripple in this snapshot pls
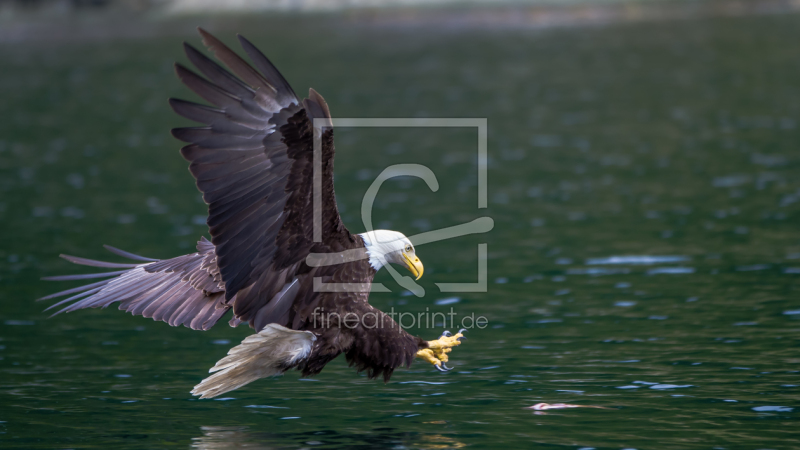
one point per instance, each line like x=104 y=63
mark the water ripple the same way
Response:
x=636 y=260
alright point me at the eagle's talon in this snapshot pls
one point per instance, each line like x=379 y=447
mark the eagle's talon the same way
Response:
x=462 y=331
x=437 y=350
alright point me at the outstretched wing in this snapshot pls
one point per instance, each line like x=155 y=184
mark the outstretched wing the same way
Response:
x=253 y=162
x=185 y=290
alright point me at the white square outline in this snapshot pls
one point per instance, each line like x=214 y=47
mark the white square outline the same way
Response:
x=354 y=122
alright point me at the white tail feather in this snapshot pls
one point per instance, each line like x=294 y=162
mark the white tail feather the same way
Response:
x=270 y=352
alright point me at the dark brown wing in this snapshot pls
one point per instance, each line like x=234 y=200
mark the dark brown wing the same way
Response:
x=186 y=290
x=253 y=162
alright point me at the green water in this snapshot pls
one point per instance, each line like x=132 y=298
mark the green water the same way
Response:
x=659 y=139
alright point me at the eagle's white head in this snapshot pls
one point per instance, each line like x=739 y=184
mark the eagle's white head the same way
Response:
x=386 y=246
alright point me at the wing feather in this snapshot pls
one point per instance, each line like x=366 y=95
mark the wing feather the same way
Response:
x=217 y=74
x=235 y=63
x=184 y=290
x=284 y=93
x=210 y=92
x=128 y=255
x=252 y=162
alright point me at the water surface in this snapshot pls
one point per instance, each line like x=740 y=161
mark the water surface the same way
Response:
x=644 y=186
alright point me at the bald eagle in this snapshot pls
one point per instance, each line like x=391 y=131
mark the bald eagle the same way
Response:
x=305 y=293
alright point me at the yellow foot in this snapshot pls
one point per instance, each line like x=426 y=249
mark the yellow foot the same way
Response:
x=437 y=350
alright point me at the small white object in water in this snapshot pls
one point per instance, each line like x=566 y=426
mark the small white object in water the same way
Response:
x=546 y=406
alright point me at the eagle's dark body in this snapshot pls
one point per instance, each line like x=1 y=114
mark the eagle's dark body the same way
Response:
x=253 y=162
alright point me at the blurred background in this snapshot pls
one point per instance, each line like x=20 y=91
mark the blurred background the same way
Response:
x=644 y=179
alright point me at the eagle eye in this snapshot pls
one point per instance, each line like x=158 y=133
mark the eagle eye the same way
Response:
x=408 y=249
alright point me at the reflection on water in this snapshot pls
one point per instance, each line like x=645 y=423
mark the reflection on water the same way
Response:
x=222 y=438
x=645 y=190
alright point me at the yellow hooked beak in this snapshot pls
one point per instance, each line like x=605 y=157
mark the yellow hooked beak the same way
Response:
x=414 y=265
